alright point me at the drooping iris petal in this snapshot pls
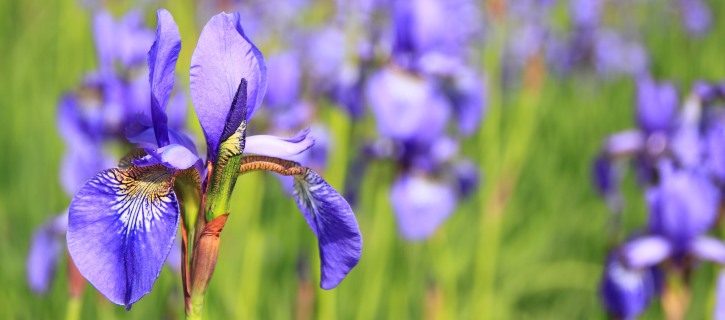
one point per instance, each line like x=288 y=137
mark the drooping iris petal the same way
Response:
x=333 y=222
x=646 y=252
x=223 y=57
x=162 y=63
x=172 y=156
x=625 y=292
x=710 y=249
x=45 y=251
x=277 y=147
x=121 y=226
x=421 y=205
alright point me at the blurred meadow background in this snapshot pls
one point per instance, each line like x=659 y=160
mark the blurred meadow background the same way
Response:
x=529 y=242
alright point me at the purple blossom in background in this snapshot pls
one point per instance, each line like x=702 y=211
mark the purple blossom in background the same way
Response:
x=656 y=105
x=407 y=107
x=682 y=208
x=678 y=155
x=46 y=249
x=421 y=205
x=696 y=16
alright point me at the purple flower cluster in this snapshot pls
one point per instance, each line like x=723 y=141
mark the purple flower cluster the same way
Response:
x=418 y=84
x=678 y=156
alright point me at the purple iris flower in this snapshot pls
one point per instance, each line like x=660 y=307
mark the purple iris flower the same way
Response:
x=662 y=134
x=656 y=105
x=406 y=106
x=431 y=183
x=682 y=208
x=134 y=210
x=626 y=292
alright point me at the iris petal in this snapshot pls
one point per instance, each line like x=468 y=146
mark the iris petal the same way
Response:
x=173 y=156
x=277 y=147
x=421 y=205
x=646 y=252
x=333 y=222
x=45 y=250
x=222 y=58
x=707 y=248
x=121 y=227
x=162 y=62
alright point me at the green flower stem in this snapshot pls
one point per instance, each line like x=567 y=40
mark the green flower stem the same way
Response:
x=223 y=179
x=73 y=311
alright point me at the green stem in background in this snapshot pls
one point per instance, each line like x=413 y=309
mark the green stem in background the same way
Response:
x=489 y=139
x=73 y=310
x=251 y=270
x=381 y=236
x=498 y=189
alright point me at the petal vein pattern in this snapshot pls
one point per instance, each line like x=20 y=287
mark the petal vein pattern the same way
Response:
x=333 y=222
x=121 y=227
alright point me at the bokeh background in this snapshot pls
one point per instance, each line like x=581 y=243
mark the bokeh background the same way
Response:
x=530 y=243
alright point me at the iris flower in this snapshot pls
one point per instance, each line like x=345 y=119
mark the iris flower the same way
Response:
x=123 y=222
x=682 y=209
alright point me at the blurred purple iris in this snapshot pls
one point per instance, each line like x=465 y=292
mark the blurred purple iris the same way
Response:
x=626 y=292
x=678 y=155
x=412 y=112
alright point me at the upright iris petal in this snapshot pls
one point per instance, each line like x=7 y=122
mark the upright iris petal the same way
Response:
x=656 y=104
x=121 y=227
x=333 y=222
x=162 y=63
x=683 y=206
x=224 y=57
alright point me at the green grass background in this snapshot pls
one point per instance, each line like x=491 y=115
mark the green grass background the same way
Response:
x=529 y=246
